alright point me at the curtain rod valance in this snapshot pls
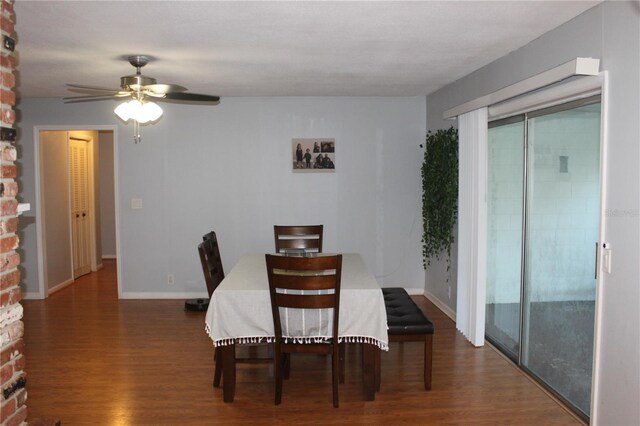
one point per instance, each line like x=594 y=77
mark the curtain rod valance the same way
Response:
x=578 y=66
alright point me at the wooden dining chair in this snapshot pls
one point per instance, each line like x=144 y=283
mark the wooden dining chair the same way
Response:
x=213 y=272
x=301 y=237
x=290 y=281
x=211 y=261
x=213 y=275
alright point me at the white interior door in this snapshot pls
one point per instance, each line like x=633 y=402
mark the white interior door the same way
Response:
x=79 y=174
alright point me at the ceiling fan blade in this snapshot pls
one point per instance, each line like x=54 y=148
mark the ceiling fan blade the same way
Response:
x=154 y=95
x=191 y=97
x=163 y=88
x=94 y=88
x=93 y=92
x=88 y=98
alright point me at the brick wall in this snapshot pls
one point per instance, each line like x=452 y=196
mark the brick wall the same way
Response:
x=13 y=410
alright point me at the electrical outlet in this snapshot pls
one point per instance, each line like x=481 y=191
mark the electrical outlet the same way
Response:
x=171 y=279
x=136 y=203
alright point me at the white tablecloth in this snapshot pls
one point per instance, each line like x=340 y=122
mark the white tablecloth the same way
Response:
x=240 y=310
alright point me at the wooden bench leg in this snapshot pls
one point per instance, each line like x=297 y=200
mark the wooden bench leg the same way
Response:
x=428 y=353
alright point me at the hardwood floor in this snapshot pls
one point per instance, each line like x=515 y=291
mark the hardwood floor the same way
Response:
x=95 y=360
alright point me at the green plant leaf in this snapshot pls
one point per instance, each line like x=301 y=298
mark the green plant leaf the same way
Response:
x=439 y=194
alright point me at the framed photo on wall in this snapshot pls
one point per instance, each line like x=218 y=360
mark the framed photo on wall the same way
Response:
x=313 y=155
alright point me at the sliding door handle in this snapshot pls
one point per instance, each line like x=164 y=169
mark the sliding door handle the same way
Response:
x=595 y=274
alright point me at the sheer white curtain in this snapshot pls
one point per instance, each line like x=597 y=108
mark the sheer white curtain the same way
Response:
x=472 y=224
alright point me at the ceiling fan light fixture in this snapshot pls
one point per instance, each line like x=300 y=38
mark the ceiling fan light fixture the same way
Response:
x=138 y=111
x=151 y=111
x=126 y=110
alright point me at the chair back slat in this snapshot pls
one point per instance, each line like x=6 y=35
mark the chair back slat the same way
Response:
x=299 y=301
x=289 y=280
x=308 y=244
x=310 y=264
x=307 y=237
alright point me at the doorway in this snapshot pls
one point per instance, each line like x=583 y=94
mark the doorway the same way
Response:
x=543 y=205
x=68 y=204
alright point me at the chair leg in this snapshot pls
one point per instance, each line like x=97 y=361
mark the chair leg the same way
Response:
x=428 y=354
x=218 y=368
x=335 y=373
x=377 y=369
x=228 y=356
x=277 y=372
x=286 y=365
x=342 y=362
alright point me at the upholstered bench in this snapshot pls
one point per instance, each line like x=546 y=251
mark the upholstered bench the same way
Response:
x=407 y=323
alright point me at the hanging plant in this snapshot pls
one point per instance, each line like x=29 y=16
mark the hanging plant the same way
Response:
x=439 y=194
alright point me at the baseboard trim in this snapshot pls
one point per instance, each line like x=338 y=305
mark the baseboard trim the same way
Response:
x=30 y=295
x=60 y=286
x=108 y=256
x=147 y=295
x=440 y=305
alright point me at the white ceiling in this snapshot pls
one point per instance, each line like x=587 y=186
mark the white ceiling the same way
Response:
x=274 y=48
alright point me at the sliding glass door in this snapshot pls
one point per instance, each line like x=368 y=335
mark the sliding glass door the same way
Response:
x=543 y=225
x=505 y=192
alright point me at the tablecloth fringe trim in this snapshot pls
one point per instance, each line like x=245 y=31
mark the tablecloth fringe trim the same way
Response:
x=308 y=340
x=365 y=339
x=208 y=330
x=243 y=341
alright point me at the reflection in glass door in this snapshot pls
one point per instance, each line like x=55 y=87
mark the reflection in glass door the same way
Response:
x=562 y=234
x=548 y=326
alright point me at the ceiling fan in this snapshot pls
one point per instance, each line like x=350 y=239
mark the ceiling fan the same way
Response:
x=141 y=91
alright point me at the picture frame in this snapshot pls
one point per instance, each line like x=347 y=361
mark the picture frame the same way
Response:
x=313 y=155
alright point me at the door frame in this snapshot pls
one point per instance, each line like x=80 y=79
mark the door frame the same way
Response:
x=602 y=241
x=603 y=84
x=43 y=291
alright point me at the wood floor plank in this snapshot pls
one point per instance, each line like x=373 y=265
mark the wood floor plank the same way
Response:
x=93 y=359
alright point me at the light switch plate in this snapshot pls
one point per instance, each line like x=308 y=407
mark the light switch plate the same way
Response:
x=23 y=207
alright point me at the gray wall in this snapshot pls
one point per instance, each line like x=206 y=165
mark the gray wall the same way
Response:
x=611 y=32
x=228 y=168
x=107 y=195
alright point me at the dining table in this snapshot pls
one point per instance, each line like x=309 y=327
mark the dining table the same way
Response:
x=240 y=312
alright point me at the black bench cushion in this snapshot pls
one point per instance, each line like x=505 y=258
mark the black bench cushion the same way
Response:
x=403 y=315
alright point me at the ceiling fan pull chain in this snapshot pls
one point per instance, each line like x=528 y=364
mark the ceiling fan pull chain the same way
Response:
x=136 y=132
